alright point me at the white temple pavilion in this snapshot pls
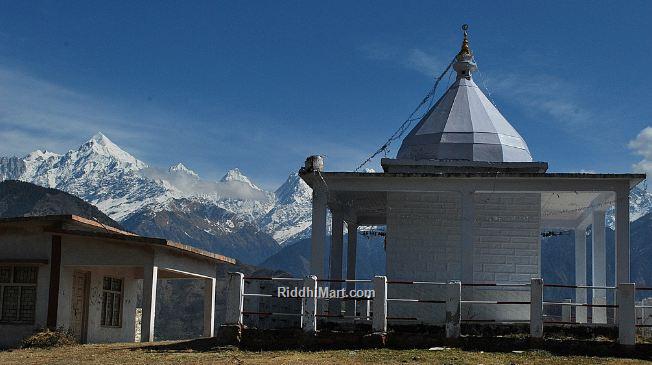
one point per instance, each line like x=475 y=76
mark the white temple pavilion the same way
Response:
x=464 y=200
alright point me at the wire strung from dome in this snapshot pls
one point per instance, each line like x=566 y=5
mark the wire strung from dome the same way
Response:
x=406 y=124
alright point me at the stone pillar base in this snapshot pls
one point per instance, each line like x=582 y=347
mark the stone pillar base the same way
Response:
x=375 y=340
x=229 y=335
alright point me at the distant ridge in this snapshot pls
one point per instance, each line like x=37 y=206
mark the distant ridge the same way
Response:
x=21 y=199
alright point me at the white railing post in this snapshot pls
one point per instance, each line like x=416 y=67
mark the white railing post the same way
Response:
x=309 y=314
x=566 y=311
x=626 y=314
x=367 y=308
x=536 y=307
x=453 y=309
x=234 y=299
x=379 y=323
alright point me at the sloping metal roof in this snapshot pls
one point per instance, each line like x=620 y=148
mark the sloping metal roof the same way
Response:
x=464 y=125
x=79 y=226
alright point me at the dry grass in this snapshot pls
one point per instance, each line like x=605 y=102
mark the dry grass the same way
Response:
x=47 y=338
x=181 y=352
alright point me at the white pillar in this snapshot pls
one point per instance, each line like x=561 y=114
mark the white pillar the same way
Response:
x=318 y=234
x=209 y=307
x=599 y=266
x=234 y=299
x=536 y=308
x=468 y=228
x=351 y=254
x=379 y=322
x=150 y=277
x=626 y=314
x=335 y=261
x=622 y=235
x=308 y=316
x=580 y=273
x=453 y=309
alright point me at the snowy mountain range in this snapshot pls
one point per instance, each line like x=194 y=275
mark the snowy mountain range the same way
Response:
x=231 y=211
x=232 y=216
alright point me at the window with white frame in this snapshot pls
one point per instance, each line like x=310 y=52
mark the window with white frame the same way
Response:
x=111 y=302
x=18 y=293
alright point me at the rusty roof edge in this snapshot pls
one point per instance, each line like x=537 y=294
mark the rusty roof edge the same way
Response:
x=146 y=240
x=114 y=233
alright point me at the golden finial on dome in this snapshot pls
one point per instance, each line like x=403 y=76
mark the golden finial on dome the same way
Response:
x=465 y=51
x=464 y=63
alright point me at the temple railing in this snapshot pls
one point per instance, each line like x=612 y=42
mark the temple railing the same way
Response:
x=317 y=302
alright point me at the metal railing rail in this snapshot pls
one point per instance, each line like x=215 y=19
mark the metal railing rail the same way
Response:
x=452 y=303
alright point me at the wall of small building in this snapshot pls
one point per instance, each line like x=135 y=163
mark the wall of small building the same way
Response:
x=100 y=258
x=424 y=239
x=423 y=244
x=91 y=251
x=96 y=333
x=22 y=244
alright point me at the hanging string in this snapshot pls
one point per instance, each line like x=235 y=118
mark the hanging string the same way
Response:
x=484 y=85
x=406 y=124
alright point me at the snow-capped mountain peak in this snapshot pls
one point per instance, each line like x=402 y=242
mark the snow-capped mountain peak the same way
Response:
x=181 y=168
x=101 y=145
x=39 y=155
x=293 y=190
x=236 y=175
x=290 y=218
x=120 y=185
x=640 y=204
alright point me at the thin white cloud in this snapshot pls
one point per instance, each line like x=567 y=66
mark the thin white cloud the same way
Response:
x=35 y=113
x=31 y=105
x=423 y=62
x=414 y=59
x=550 y=96
x=38 y=114
x=642 y=146
x=546 y=95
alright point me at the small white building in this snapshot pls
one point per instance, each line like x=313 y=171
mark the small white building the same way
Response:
x=464 y=200
x=69 y=272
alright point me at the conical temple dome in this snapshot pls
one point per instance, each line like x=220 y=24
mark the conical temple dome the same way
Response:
x=464 y=125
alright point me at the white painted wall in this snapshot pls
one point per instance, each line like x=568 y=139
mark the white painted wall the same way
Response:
x=88 y=251
x=423 y=244
x=506 y=249
x=98 y=333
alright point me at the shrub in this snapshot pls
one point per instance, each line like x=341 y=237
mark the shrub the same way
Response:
x=46 y=338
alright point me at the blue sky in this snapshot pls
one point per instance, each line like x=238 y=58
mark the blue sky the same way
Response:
x=261 y=85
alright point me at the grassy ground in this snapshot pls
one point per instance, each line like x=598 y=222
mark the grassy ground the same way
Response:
x=193 y=352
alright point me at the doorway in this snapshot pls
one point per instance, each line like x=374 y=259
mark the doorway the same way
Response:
x=79 y=305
